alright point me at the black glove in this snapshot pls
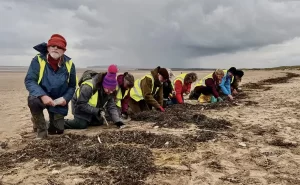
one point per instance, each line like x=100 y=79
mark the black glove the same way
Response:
x=119 y=124
x=124 y=115
x=100 y=110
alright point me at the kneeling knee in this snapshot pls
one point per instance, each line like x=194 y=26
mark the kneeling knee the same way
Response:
x=83 y=126
x=35 y=104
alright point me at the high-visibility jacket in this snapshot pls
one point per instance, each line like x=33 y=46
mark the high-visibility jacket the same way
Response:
x=119 y=96
x=202 y=81
x=136 y=92
x=179 y=90
x=225 y=73
x=180 y=78
x=42 y=63
x=94 y=99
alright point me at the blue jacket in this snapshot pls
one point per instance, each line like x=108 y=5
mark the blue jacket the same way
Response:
x=225 y=84
x=53 y=84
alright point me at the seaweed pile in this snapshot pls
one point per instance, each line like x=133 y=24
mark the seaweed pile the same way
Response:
x=278 y=80
x=181 y=118
x=124 y=164
x=151 y=140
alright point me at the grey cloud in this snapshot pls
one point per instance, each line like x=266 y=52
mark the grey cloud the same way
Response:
x=91 y=16
x=56 y=4
x=150 y=33
x=92 y=44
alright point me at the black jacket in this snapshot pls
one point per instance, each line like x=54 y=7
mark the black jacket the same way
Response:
x=167 y=88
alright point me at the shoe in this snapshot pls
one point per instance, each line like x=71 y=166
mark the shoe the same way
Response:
x=191 y=96
x=59 y=132
x=120 y=124
x=42 y=134
x=53 y=131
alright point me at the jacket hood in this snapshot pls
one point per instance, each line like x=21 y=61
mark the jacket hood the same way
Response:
x=98 y=79
x=120 y=79
x=154 y=73
x=42 y=48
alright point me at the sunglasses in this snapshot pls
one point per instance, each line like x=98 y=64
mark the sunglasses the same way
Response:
x=56 y=47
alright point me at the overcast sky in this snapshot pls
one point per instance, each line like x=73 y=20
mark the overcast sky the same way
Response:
x=147 y=33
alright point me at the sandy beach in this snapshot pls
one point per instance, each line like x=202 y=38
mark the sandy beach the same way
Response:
x=259 y=143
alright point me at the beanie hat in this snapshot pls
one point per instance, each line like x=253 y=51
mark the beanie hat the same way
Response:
x=129 y=78
x=232 y=70
x=163 y=72
x=110 y=81
x=57 y=40
x=239 y=73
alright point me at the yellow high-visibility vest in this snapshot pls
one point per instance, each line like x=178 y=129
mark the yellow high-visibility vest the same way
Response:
x=42 y=63
x=180 y=78
x=202 y=81
x=136 y=92
x=94 y=99
x=119 y=96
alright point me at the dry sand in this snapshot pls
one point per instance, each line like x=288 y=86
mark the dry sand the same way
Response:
x=261 y=147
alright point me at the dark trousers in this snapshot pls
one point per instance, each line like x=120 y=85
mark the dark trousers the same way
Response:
x=138 y=106
x=194 y=95
x=36 y=107
x=78 y=123
x=173 y=101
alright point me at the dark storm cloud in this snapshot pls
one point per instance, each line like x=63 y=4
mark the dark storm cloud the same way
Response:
x=157 y=32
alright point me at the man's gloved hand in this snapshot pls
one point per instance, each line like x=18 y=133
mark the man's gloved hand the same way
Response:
x=220 y=99
x=162 y=109
x=120 y=124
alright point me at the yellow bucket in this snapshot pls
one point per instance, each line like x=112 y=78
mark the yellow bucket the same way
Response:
x=204 y=98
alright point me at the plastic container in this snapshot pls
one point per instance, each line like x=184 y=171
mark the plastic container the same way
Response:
x=58 y=101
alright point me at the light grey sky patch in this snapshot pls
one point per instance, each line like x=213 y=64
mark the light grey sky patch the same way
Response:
x=170 y=33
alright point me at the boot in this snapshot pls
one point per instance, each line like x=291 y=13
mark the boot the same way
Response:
x=34 y=129
x=52 y=130
x=40 y=123
x=56 y=125
x=42 y=134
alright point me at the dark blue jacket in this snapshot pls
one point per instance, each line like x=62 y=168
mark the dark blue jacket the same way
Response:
x=54 y=84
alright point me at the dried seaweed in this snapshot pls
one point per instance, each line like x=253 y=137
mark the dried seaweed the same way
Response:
x=127 y=164
x=279 y=80
x=3 y=145
x=149 y=139
x=202 y=136
x=280 y=142
x=261 y=84
x=178 y=116
x=256 y=86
